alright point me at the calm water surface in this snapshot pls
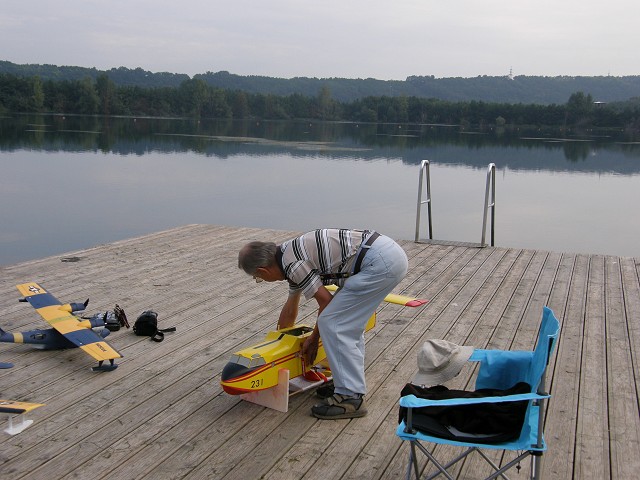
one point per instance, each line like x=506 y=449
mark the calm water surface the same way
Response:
x=70 y=183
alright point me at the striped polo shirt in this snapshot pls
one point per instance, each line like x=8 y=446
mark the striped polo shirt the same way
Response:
x=329 y=250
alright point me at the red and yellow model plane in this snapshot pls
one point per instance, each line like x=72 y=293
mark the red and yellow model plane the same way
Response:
x=68 y=330
x=258 y=368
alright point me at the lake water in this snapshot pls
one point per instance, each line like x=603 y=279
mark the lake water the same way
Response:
x=70 y=183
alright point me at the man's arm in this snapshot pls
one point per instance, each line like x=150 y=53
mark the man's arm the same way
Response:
x=289 y=311
x=323 y=297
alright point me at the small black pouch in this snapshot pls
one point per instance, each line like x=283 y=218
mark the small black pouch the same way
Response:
x=146 y=325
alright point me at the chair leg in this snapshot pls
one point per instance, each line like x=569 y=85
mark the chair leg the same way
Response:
x=500 y=471
x=413 y=462
x=536 y=467
x=443 y=469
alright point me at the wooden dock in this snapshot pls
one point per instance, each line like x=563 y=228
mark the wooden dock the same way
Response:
x=163 y=415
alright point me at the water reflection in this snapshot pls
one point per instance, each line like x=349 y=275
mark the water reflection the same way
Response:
x=72 y=182
x=410 y=143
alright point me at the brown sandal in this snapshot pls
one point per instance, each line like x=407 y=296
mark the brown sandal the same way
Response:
x=340 y=406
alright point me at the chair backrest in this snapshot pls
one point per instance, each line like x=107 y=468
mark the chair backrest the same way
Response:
x=504 y=368
x=547 y=337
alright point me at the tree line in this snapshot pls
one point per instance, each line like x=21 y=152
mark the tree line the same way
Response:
x=195 y=98
x=493 y=89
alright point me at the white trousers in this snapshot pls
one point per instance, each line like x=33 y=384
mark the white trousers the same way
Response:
x=342 y=322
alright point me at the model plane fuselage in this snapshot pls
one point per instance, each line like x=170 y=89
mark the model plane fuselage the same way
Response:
x=46 y=339
x=256 y=368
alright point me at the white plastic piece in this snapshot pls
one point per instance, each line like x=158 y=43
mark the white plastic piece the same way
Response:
x=16 y=427
x=275 y=397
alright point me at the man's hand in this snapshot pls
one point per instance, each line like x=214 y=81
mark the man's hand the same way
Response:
x=310 y=349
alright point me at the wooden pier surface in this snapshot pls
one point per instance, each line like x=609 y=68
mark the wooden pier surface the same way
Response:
x=163 y=415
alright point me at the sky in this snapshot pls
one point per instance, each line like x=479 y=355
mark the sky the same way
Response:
x=386 y=40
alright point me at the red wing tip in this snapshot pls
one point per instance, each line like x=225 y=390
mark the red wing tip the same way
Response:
x=416 y=303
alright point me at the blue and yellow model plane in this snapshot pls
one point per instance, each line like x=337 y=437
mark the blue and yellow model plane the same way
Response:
x=69 y=331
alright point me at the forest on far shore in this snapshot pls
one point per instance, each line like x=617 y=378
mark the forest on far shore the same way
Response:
x=196 y=98
x=510 y=88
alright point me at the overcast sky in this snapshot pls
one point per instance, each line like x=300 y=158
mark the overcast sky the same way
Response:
x=328 y=38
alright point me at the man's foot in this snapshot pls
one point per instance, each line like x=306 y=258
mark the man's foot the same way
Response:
x=325 y=391
x=340 y=406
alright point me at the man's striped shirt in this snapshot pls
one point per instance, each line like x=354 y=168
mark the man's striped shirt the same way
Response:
x=325 y=251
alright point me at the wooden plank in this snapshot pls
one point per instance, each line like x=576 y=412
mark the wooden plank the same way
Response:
x=631 y=291
x=562 y=408
x=621 y=385
x=592 y=446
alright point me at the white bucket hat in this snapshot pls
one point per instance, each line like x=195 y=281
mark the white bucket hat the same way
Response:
x=439 y=361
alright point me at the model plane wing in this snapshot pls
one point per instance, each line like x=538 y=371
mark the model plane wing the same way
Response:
x=60 y=318
x=11 y=406
x=17 y=410
x=392 y=298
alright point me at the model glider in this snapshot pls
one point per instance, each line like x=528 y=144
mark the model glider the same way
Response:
x=68 y=330
x=257 y=367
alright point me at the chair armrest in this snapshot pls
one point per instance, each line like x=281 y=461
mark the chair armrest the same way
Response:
x=411 y=401
x=481 y=354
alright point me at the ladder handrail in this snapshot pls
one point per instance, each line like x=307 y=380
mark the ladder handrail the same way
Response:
x=489 y=201
x=424 y=173
x=490 y=189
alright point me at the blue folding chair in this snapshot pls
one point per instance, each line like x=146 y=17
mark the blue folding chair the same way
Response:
x=499 y=369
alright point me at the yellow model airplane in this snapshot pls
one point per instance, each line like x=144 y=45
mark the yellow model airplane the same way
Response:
x=68 y=330
x=257 y=367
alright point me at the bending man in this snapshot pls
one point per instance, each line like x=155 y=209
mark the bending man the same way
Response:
x=366 y=265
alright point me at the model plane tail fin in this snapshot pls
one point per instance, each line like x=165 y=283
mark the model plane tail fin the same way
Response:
x=6 y=336
x=74 y=307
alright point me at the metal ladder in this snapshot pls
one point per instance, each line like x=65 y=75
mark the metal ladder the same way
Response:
x=424 y=188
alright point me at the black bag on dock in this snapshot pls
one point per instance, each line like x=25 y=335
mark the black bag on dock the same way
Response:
x=147 y=326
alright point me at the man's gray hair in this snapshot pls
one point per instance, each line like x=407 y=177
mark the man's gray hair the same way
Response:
x=255 y=255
